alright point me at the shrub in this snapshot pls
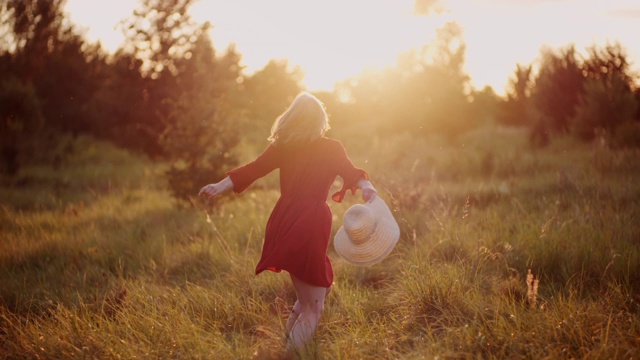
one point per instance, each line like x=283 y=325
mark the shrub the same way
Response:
x=200 y=130
x=605 y=105
x=627 y=135
x=20 y=121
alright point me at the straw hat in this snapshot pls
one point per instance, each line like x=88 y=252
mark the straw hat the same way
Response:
x=368 y=234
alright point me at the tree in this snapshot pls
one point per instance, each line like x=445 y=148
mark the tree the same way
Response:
x=20 y=122
x=268 y=92
x=447 y=85
x=603 y=107
x=558 y=86
x=514 y=110
x=50 y=55
x=427 y=92
x=45 y=54
x=608 y=100
x=608 y=63
x=36 y=28
x=159 y=33
x=121 y=105
x=485 y=105
x=637 y=115
x=200 y=128
x=69 y=80
x=7 y=40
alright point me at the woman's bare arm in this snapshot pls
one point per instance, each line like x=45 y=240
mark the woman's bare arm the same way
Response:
x=213 y=190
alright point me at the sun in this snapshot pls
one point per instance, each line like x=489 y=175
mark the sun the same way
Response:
x=332 y=41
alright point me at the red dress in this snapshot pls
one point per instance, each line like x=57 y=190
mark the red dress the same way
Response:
x=299 y=228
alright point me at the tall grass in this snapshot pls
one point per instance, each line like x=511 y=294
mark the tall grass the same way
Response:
x=97 y=261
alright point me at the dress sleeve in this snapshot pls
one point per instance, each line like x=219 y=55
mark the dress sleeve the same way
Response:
x=245 y=175
x=348 y=172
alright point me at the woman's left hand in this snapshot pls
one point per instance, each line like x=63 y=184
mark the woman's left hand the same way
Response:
x=213 y=190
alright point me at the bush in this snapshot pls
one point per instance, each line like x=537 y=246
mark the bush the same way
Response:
x=605 y=105
x=20 y=122
x=627 y=135
x=200 y=128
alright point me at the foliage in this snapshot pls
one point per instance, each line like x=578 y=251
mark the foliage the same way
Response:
x=626 y=134
x=146 y=98
x=637 y=92
x=485 y=105
x=160 y=33
x=55 y=60
x=608 y=63
x=603 y=107
x=121 y=106
x=516 y=109
x=71 y=80
x=6 y=31
x=268 y=92
x=608 y=99
x=448 y=84
x=36 y=27
x=200 y=126
x=157 y=37
x=588 y=96
x=20 y=123
x=427 y=92
x=558 y=86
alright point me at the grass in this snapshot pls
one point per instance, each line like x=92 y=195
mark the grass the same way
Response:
x=97 y=261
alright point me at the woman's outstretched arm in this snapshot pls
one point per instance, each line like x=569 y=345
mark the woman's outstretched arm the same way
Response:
x=213 y=190
x=369 y=193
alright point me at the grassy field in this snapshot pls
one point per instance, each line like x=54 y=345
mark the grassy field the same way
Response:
x=97 y=260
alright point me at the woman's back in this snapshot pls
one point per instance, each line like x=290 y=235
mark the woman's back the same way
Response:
x=309 y=170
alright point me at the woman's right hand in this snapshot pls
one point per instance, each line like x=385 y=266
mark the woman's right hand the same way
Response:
x=213 y=190
x=369 y=193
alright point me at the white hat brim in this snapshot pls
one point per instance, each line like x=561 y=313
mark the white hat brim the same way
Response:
x=378 y=246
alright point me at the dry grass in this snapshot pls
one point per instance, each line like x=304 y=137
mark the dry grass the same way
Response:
x=506 y=252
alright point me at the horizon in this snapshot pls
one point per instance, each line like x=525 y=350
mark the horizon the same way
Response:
x=328 y=54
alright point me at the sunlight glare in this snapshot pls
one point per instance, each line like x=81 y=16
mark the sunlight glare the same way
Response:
x=331 y=42
x=500 y=34
x=99 y=20
x=335 y=40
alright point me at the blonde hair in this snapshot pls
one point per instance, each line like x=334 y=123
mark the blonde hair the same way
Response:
x=304 y=121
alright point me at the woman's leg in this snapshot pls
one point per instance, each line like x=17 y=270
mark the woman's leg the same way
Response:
x=311 y=304
x=295 y=313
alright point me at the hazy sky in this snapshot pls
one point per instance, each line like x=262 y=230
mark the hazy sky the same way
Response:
x=335 y=39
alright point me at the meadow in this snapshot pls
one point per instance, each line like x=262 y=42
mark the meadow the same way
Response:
x=506 y=252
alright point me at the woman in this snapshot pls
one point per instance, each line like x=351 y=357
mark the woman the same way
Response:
x=299 y=228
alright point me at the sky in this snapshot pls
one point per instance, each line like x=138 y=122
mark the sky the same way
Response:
x=332 y=40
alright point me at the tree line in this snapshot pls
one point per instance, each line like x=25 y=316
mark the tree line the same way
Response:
x=167 y=93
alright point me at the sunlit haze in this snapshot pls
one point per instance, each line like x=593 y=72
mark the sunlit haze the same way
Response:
x=334 y=39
